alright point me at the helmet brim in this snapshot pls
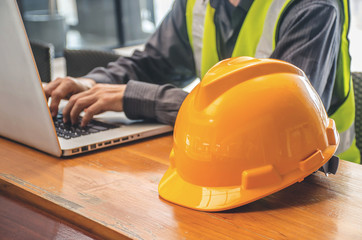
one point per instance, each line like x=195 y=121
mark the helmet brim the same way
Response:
x=175 y=189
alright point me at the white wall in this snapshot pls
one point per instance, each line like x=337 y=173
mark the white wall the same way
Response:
x=355 y=35
x=162 y=7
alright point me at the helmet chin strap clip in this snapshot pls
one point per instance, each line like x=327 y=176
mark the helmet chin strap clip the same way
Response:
x=331 y=166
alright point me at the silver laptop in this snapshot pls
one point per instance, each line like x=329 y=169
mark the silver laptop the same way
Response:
x=24 y=112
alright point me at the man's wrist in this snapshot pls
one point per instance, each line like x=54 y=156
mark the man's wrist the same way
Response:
x=88 y=83
x=139 y=100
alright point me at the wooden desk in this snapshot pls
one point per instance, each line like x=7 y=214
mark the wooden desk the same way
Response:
x=19 y=221
x=113 y=194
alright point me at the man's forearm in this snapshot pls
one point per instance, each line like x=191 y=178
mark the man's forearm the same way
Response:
x=151 y=101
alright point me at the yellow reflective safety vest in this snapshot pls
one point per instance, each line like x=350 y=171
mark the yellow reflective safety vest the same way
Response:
x=257 y=38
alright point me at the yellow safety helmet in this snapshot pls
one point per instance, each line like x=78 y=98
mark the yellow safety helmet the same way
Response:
x=250 y=128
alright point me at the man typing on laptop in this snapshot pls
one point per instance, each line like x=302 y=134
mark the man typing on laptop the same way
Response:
x=308 y=35
x=168 y=57
x=25 y=115
x=93 y=100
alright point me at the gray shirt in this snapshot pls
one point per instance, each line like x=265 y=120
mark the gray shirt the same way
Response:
x=309 y=38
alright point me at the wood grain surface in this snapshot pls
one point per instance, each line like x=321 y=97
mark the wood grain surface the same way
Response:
x=113 y=194
x=20 y=221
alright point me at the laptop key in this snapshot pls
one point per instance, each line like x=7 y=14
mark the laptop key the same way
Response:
x=100 y=128
x=93 y=130
x=66 y=136
x=75 y=134
x=67 y=130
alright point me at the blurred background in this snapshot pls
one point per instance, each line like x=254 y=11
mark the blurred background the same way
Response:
x=92 y=24
x=122 y=24
x=355 y=35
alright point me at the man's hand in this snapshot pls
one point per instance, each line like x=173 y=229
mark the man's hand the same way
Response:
x=98 y=99
x=64 y=88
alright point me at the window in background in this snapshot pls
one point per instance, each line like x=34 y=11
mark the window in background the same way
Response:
x=137 y=21
x=92 y=24
x=355 y=35
x=161 y=7
x=43 y=23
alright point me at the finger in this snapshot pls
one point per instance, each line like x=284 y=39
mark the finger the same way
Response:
x=61 y=90
x=48 y=89
x=73 y=99
x=58 y=94
x=68 y=110
x=68 y=107
x=55 y=103
x=80 y=105
x=96 y=108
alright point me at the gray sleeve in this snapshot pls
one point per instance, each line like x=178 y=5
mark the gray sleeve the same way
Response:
x=309 y=38
x=167 y=57
x=151 y=101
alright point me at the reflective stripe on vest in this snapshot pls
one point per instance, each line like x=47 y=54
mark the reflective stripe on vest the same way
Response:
x=196 y=28
x=344 y=116
x=254 y=40
x=265 y=46
x=257 y=38
x=346 y=139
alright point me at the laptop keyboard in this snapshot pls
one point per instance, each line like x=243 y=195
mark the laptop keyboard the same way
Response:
x=68 y=131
